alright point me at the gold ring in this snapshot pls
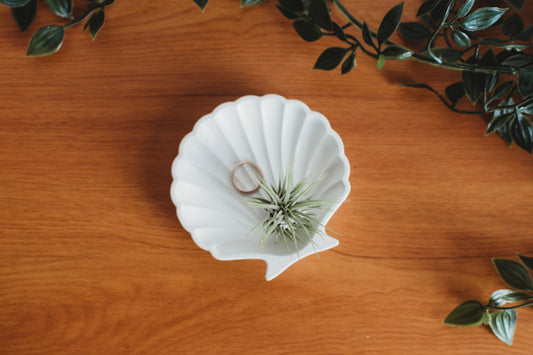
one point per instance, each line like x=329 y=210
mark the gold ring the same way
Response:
x=246 y=178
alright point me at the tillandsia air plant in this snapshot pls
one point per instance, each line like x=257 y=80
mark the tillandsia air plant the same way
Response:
x=500 y=318
x=48 y=39
x=291 y=212
x=489 y=47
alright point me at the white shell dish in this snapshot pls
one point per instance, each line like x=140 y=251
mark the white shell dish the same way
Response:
x=276 y=134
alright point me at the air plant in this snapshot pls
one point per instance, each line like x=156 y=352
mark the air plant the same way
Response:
x=291 y=212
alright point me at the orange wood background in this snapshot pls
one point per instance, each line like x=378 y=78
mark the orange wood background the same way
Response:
x=94 y=261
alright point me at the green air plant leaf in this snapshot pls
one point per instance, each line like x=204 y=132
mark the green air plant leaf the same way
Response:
x=62 y=8
x=95 y=23
x=330 y=58
x=46 y=40
x=15 y=3
x=414 y=31
x=503 y=325
x=482 y=18
x=251 y=2
x=201 y=4
x=389 y=24
x=25 y=15
x=528 y=261
x=290 y=211
x=307 y=30
x=467 y=314
x=513 y=273
x=319 y=11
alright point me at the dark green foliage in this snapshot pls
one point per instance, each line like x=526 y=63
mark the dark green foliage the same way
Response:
x=48 y=39
x=25 y=15
x=495 y=314
x=330 y=58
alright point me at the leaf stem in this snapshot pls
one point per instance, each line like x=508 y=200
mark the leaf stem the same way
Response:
x=84 y=17
x=424 y=59
x=512 y=307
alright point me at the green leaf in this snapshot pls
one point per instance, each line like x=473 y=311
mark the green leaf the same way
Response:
x=319 y=11
x=489 y=60
x=498 y=121
x=448 y=54
x=502 y=89
x=518 y=61
x=95 y=23
x=390 y=23
x=517 y=4
x=455 y=92
x=25 y=15
x=467 y=314
x=513 y=273
x=526 y=34
x=482 y=18
x=525 y=82
x=527 y=109
x=503 y=325
x=15 y=3
x=339 y=32
x=522 y=133
x=380 y=62
x=251 y=2
x=349 y=63
x=465 y=9
x=504 y=132
x=512 y=26
x=460 y=38
x=501 y=297
x=201 y=4
x=330 y=58
x=62 y=8
x=307 y=30
x=367 y=35
x=396 y=52
x=293 y=6
x=46 y=40
x=528 y=261
x=426 y=7
x=414 y=31
x=287 y=13
x=473 y=84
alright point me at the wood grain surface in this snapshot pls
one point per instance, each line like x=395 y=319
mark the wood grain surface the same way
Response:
x=94 y=261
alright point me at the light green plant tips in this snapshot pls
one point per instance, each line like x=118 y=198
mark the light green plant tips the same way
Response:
x=291 y=212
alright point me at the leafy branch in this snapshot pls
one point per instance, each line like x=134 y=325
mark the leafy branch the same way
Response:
x=49 y=39
x=500 y=318
x=495 y=73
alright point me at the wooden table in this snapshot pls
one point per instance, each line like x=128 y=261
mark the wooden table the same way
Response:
x=93 y=259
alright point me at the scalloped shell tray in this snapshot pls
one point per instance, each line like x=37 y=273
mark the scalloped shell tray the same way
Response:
x=276 y=134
